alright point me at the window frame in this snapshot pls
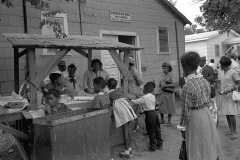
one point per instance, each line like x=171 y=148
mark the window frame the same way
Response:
x=217 y=45
x=65 y=26
x=158 y=40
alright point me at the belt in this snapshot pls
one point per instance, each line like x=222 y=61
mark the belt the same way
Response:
x=197 y=108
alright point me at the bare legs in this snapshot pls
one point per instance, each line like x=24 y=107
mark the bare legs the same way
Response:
x=231 y=119
x=169 y=123
x=127 y=133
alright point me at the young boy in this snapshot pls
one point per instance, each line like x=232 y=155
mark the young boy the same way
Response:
x=151 y=117
x=52 y=104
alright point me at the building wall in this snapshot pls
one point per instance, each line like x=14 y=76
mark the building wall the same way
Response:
x=218 y=41
x=145 y=16
x=199 y=46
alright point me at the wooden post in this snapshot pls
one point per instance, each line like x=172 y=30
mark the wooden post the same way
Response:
x=125 y=79
x=16 y=70
x=89 y=59
x=178 y=57
x=32 y=73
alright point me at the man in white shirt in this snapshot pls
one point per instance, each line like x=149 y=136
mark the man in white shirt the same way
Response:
x=61 y=70
x=212 y=64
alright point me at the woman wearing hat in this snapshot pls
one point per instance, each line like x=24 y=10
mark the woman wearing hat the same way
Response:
x=96 y=71
x=166 y=97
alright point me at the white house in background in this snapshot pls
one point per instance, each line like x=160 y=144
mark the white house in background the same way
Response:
x=211 y=44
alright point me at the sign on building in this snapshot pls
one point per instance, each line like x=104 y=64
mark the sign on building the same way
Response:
x=120 y=16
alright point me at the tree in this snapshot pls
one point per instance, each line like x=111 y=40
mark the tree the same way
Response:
x=220 y=15
x=43 y=5
x=173 y=2
x=193 y=30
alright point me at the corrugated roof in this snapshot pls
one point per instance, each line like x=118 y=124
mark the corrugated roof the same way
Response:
x=177 y=12
x=201 y=36
x=232 y=41
x=20 y=40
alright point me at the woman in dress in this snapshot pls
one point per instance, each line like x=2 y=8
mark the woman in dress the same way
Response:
x=166 y=97
x=202 y=141
x=229 y=81
x=134 y=90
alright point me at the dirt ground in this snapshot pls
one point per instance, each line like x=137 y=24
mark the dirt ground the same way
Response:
x=172 y=141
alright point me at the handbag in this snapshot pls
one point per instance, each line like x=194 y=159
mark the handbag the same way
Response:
x=236 y=96
x=183 y=150
x=168 y=90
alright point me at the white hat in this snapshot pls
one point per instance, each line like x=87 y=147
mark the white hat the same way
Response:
x=131 y=60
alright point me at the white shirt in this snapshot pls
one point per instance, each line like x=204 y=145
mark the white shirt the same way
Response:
x=235 y=66
x=212 y=65
x=47 y=79
x=149 y=101
x=199 y=70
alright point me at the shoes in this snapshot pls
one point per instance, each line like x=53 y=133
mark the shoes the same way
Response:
x=151 y=149
x=124 y=154
x=145 y=133
x=233 y=137
x=135 y=130
x=160 y=147
x=228 y=133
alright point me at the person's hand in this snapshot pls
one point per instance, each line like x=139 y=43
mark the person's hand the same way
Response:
x=183 y=134
x=48 y=109
x=88 y=91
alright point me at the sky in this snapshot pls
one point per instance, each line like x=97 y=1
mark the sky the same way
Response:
x=188 y=8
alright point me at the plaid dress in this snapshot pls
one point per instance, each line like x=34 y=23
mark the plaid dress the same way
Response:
x=202 y=139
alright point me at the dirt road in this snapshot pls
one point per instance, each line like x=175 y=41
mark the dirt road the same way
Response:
x=172 y=142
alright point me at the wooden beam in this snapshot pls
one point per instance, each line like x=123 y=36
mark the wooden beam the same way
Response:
x=125 y=78
x=14 y=132
x=11 y=117
x=32 y=73
x=89 y=59
x=123 y=68
x=16 y=70
x=81 y=52
x=22 y=53
x=49 y=66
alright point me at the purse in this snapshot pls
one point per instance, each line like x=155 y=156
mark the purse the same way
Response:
x=183 y=150
x=236 y=96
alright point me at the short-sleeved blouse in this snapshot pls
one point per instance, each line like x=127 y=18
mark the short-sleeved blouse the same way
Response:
x=165 y=77
x=101 y=100
x=227 y=80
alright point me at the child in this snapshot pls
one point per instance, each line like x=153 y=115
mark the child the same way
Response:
x=101 y=100
x=52 y=105
x=151 y=117
x=123 y=114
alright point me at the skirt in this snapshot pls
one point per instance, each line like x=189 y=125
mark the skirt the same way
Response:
x=123 y=112
x=166 y=102
x=202 y=141
x=228 y=106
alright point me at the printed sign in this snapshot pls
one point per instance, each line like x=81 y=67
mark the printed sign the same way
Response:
x=120 y=16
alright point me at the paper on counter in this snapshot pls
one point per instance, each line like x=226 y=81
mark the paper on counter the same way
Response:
x=83 y=98
x=34 y=114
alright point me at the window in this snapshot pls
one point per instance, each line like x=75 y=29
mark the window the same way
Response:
x=48 y=30
x=217 y=53
x=162 y=35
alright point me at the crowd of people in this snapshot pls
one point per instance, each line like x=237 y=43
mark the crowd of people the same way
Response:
x=200 y=86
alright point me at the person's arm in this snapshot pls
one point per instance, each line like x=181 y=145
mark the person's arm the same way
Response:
x=48 y=109
x=138 y=101
x=137 y=76
x=185 y=114
x=85 y=82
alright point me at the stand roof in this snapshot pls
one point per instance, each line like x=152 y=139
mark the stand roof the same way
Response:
x=20 y=40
